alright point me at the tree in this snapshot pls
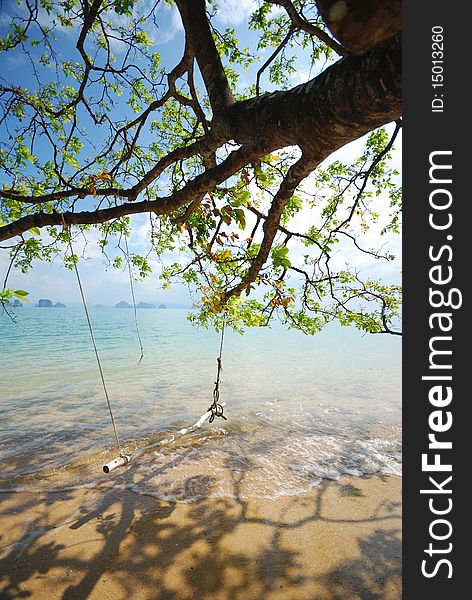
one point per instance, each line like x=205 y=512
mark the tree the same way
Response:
x=101 y=129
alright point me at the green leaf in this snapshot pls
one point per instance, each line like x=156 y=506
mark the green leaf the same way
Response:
x=279 y=257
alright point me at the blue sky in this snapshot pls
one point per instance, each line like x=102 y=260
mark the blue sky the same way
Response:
x=106 y=285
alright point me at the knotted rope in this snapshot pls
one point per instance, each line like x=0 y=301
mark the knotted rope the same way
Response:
x=216 y=408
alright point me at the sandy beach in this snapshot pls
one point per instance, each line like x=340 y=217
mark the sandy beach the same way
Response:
x=340 y=541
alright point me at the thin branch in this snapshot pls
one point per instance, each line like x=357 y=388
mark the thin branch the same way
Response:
x=300 y=23
x=295 y=175
x=274 y=54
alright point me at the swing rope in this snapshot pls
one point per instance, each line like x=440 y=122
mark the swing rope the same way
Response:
x=216 y=408
x=69 y=240
x=130 y=273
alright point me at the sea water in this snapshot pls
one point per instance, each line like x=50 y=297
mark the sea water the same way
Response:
x=299 y=408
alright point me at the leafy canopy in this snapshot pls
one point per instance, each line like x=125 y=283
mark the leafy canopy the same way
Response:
x=111 y=111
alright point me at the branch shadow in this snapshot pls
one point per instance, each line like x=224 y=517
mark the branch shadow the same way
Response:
x=375 y=576
x=204 y=549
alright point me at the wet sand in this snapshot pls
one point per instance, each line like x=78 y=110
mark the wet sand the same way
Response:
x=340 y=541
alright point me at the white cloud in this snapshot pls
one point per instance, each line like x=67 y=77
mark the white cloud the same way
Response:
x=234 y=12
x=172 y=24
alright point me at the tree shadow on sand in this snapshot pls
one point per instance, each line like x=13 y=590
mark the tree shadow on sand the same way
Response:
x=371 y=577
x=204 y=550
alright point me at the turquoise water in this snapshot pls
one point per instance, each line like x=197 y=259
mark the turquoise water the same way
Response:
x=299 y=408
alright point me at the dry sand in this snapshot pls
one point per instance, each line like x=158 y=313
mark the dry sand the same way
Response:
x=341 y=541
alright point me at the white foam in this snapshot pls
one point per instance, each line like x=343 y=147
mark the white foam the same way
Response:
x=264 y=457
x=263 y=463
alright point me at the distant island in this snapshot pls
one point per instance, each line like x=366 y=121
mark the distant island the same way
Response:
x=145 y=305
x=124 y=304
x=46 y=303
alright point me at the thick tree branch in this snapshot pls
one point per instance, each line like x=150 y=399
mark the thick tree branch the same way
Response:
x=197 y=27
x=350 y=98
x=361 y=24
